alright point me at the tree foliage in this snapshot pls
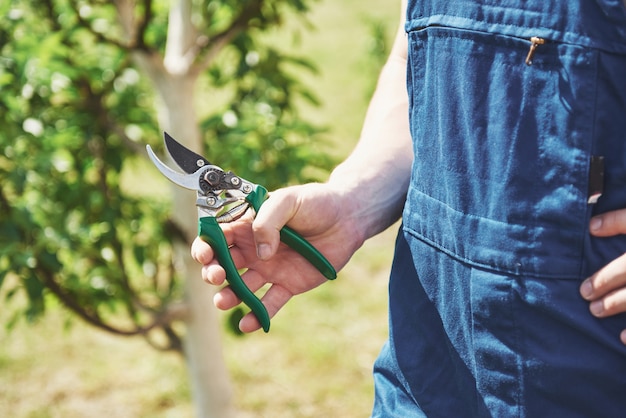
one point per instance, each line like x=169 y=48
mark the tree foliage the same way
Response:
x=76 y=111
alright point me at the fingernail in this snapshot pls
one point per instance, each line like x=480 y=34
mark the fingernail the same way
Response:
x=586 y=289
x=596 y=308
x=595 y=224
x=263 y=251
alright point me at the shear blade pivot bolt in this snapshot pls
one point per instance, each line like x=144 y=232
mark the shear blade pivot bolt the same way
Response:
x=212 y=178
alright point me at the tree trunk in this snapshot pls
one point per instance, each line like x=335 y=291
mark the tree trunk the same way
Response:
x=211 y=387
x=210 y=381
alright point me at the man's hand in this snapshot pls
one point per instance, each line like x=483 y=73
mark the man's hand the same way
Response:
x=316 y=212
x=606 y=289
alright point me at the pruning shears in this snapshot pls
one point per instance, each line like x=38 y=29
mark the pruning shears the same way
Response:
x=222 y=197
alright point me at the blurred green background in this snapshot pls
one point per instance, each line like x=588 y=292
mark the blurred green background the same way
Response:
x=317 y=360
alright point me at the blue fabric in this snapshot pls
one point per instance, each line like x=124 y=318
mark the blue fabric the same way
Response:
x=485 y=314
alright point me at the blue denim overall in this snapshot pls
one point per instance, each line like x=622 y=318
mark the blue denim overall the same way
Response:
x=486 y=319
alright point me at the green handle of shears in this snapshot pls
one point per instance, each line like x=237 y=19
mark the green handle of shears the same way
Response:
x=211 y=232
x=295 y=240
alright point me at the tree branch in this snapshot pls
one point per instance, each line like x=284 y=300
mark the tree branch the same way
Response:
x=172 y=313
x=140 y=35
x=209 y=48
x=49 y=8
x=69 y=302
x=136 y=34
x=99 y=36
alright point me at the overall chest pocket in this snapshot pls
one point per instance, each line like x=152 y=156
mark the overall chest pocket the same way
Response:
x=501 y=172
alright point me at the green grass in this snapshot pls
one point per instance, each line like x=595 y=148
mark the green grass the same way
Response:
x=317 y=360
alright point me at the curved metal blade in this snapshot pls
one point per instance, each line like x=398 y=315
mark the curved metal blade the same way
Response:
x=188 y=181
x=186 y=159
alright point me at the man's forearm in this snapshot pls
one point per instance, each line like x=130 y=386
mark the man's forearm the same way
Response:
x=376 y=175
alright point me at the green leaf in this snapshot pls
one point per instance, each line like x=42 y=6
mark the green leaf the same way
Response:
x=50 y=261
x=34 y=291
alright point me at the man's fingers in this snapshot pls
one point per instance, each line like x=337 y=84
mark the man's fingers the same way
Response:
x=606 y=290
x=201 y=251
x=611 y=304
x=274 y=299
x=213 y=274
x=609 y=278
x=609 y=224
x=273 y=215
x=226 y=299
